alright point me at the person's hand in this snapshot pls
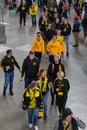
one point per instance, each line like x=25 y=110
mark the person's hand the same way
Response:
x=21 y=79
x=73 y=116
x=7 y=68
x=20 y=71
x=41 y=106
x=64 y=30
x=24 y=107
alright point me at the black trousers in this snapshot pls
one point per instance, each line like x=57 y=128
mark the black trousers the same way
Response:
x=38 y=55
x=61 y=103
x=22 y=18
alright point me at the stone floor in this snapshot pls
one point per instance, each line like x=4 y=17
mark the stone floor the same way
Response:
x=12 y=117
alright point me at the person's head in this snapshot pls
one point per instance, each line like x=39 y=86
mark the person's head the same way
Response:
x=56 y=58
x=60 y=75
x=67 y=114
x=38 y=34
x=23 y=2
x=43 y=14
x=65 y=21
x=51 y=8
x=57 y=20
x=58 y=32
x=33 y=3
x=49 y=26
x=54 y=38
x=9 y=52
x=56 y=15
x=43 y=73
x=55 y=10
x=31 y=54
x=44 y=18
x=33 y=85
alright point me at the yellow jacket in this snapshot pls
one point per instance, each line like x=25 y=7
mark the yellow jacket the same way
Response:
x=53 y=48
x=38 y=46
x=33 y=10
x=60 y=39
x=31 y=98
x=43 y=84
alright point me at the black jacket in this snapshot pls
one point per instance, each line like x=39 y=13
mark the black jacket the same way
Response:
x=76 y=27
x=57 y=26
x=61 y=86
x=68 y=29
x=9 y=62
x=30 y=67
x=22 y=9
x=48 y=34
x=53 y=69
x=84 y=23
x=74 y=124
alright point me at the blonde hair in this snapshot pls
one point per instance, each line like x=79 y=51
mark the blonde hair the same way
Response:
x=60 y=73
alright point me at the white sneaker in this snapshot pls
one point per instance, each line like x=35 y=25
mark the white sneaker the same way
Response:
x=36 y=128
x=30 y=125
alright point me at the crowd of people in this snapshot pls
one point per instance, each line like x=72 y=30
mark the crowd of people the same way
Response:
x=52 y=39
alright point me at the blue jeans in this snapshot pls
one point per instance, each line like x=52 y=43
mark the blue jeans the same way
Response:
x=32 y=115
x=66 y=39
x=38 y=1
x=45 y=103
x=33 y=17
x=28 y=81
x=9 y=77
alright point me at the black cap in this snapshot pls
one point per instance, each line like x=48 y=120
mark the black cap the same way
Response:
x=67 y=112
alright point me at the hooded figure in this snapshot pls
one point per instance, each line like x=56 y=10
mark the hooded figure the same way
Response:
x=69 y=121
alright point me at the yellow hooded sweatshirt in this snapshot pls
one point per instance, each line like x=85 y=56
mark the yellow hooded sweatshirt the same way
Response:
x=38 y=45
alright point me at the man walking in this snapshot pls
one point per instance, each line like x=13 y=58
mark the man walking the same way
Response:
x=22 y=10
x=33 y=11
x=30 y=68
x=52 y=70
x=8 y=63
x=38 y=46
x=66 y=31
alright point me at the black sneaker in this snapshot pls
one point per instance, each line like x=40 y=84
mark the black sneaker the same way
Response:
x=11 y=93
x=52 y=103
x=45 y=117
x=75 y=45
x=60 y=115
x=4 y=93
x=56 y=103
x=67 y=54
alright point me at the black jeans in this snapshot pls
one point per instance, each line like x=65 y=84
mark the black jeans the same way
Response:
x=22 y=18
x=61 y=103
